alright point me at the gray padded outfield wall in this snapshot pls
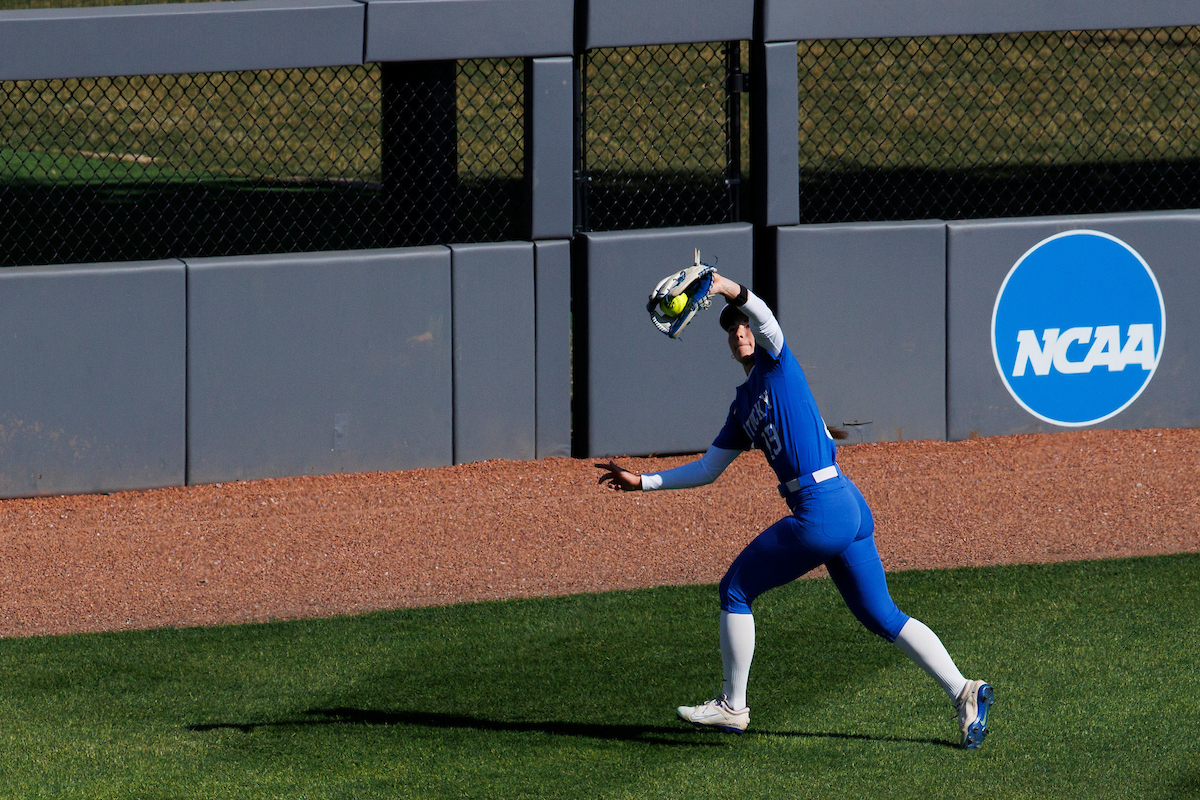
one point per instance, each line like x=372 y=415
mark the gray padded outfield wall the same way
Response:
x=168 y=38
x=131 y=376
x=495 y=392
x=626 y=23
x=863 y=309
x=775 y=120
x=440 y=30
x=647 y=393
x=980 y=256
x=93 y=394
x=272 y=34
x=550 y=142
x=862 y=19
x=318 y=363
x=180 y=37
x=552 y=278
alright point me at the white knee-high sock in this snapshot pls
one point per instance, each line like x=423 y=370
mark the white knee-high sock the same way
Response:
x=737 y=651
x=926 y=650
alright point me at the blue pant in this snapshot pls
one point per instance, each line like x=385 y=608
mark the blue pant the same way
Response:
x=831 y=525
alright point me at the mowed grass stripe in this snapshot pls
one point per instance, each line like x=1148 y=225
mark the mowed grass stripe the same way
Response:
x=1093 y=664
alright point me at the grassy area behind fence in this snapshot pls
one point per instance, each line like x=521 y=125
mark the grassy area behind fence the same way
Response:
x=1001 y=100
x=1093 y=664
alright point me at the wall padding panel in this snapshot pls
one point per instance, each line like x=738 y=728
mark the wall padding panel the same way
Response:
x=624 y=23
x=980 y=256
x=495 y=393
x=647 y=393
x=776 y=117
x=439 y=30
x=550 y=143
x=552 y=263
x=93 y=393
x=863 y=309
x=855 y=19
x=169 y=38
x=318 y=363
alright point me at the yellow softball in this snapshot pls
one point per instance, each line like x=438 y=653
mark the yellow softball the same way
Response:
x=674 y=306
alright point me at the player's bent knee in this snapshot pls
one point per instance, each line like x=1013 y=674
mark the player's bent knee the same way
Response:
x=885 y=623
x=733 y=598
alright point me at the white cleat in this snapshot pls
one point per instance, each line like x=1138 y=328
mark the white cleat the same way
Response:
x=716 y=714
x=973 y=706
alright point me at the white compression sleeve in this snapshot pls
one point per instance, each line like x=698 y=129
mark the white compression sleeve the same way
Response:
x=767 y=332
x=703 y=471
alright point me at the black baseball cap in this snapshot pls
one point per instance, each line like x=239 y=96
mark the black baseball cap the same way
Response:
x=730 y=313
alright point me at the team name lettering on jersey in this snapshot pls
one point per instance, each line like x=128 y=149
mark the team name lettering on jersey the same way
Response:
x=753 y=425
x=757 y=415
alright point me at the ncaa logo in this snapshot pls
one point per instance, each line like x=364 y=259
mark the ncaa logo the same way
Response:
x=1077 y=330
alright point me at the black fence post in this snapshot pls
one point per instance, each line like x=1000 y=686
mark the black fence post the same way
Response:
x=580 y=176
x=419 y=158
x=736 y=84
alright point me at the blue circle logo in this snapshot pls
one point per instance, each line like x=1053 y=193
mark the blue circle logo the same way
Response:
x=1078 y=326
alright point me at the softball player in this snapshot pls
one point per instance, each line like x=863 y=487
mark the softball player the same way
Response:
x=830 y=523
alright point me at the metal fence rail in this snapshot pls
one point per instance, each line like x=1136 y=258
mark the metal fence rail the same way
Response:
x=662 y=136
x=242 y=163
x=960 y=127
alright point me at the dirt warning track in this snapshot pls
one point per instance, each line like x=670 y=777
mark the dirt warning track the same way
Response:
x=318 y=546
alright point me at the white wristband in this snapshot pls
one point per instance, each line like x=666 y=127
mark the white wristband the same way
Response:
x=651 y=481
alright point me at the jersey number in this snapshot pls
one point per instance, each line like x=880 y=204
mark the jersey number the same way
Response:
x=771 y=442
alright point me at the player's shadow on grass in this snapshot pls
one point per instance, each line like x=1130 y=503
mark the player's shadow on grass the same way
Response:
x=649 y=734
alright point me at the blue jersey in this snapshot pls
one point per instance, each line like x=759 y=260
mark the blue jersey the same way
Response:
x=775 y=411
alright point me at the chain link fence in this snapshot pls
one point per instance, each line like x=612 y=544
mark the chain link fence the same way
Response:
x=954 y=127
x=964 y=127
x=242 y=163
x=663 y=138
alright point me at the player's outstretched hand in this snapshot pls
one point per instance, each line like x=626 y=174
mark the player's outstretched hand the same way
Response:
x=619 y=479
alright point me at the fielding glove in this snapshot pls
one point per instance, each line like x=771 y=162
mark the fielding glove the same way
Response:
x=677 y=298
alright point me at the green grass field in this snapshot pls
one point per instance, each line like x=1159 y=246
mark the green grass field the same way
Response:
x=1093 y=664
x=1000 y=101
